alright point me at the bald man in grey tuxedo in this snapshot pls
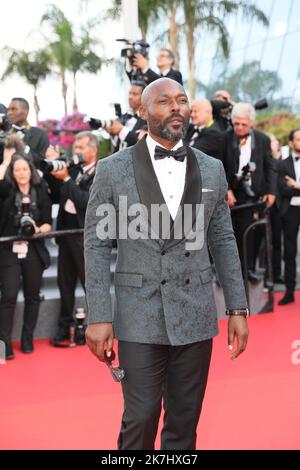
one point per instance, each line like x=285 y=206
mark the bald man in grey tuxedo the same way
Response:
x=165 y=316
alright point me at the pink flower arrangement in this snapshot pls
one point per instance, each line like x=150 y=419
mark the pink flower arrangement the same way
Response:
x=63 y=132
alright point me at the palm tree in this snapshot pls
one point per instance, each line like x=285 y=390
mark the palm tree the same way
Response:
x=33 y=66
x=210 y=15
x=62 y=48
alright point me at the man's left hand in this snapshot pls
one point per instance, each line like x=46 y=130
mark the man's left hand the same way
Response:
x=61 y=174
x=237 y=328
x=269 y=199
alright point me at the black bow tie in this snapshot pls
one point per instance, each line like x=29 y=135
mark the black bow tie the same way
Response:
x=161 y=153
x=297 y=158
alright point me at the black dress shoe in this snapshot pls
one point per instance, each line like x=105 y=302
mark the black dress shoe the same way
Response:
x=26 y=344
x=9 y=354
x=253 y=277
x=288 y=298
x=62 y=334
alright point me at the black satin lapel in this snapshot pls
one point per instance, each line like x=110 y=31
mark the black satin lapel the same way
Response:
x=146 y=181
x=192 y=195
x=290 y=167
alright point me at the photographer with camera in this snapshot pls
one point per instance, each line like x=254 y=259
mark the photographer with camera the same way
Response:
x=124 y=131
x=165 y=61
x=243 y=147
x=35 y=138
x=75 y=182
x=222 y=106
x=25 y=210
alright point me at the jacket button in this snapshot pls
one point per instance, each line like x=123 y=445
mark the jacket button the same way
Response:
x=163 y=253
x=187 y=281
x=187 y=254
x=163 y=282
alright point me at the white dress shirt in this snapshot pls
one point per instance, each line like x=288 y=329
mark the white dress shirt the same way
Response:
x=170 y=174
x=245 y=155
x=295 y=200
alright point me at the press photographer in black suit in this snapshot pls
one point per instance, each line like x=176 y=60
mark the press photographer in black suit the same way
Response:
x=20 y=187
x=165 y=62
x=202 y=133
x=125 y=131
x=36 y=138
x=242 y=145
x=74 y=195
x=289 y=190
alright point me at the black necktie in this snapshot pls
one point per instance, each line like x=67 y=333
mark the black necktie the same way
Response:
x=161 y=153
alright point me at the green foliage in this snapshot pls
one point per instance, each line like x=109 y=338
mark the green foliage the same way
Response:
x=280 y=125
x=33 y=66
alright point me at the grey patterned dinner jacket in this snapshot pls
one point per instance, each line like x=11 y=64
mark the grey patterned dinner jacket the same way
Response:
x=163 y=289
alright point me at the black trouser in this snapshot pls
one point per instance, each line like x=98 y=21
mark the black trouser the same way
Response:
x=70 y=269
x=291 y=222
x=276 y=226
x=31 y=270
x=178 y=374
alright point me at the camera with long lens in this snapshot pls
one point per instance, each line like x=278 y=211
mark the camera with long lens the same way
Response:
x=134 y=47
x=241 y=182
x=96 y=123
x=63 y=161
x=23 y=220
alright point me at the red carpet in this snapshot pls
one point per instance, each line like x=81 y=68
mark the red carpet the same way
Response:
x=66 y=399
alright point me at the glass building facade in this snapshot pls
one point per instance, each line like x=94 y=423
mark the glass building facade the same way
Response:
x=276 y=47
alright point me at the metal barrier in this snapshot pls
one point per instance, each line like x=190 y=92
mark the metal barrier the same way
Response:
x=54 y=234
x=265 y=222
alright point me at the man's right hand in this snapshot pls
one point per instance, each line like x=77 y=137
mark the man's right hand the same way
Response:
x=140 y=61
x=100 y=337
x=231 y=200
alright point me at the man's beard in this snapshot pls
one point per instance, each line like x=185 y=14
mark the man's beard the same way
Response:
x=160 y=128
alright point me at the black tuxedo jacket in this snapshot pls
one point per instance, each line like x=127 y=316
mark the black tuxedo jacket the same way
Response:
x=264 y=179
x=79 y=195
x=209 y=140
x=149 y=76
x=286 y=168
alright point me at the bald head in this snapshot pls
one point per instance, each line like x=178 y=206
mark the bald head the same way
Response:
x=159 y=87
x=165 y=108
x=201 y=114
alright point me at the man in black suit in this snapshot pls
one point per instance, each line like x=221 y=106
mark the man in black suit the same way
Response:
x=165 y=62
x=124 y=131
x=35 y=138
x=289 y=190
x=243 y=145
x=202 y=132
x=74 y=195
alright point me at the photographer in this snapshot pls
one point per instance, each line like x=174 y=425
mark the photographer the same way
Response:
x=202 y=132
x=74 y=195
x=34 y=137
x=222 y=105
x=244 y=145
x=25 y=210
x=165 y=61
x=124 y=131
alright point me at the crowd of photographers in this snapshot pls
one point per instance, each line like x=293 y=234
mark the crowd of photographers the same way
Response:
x=33 y=176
